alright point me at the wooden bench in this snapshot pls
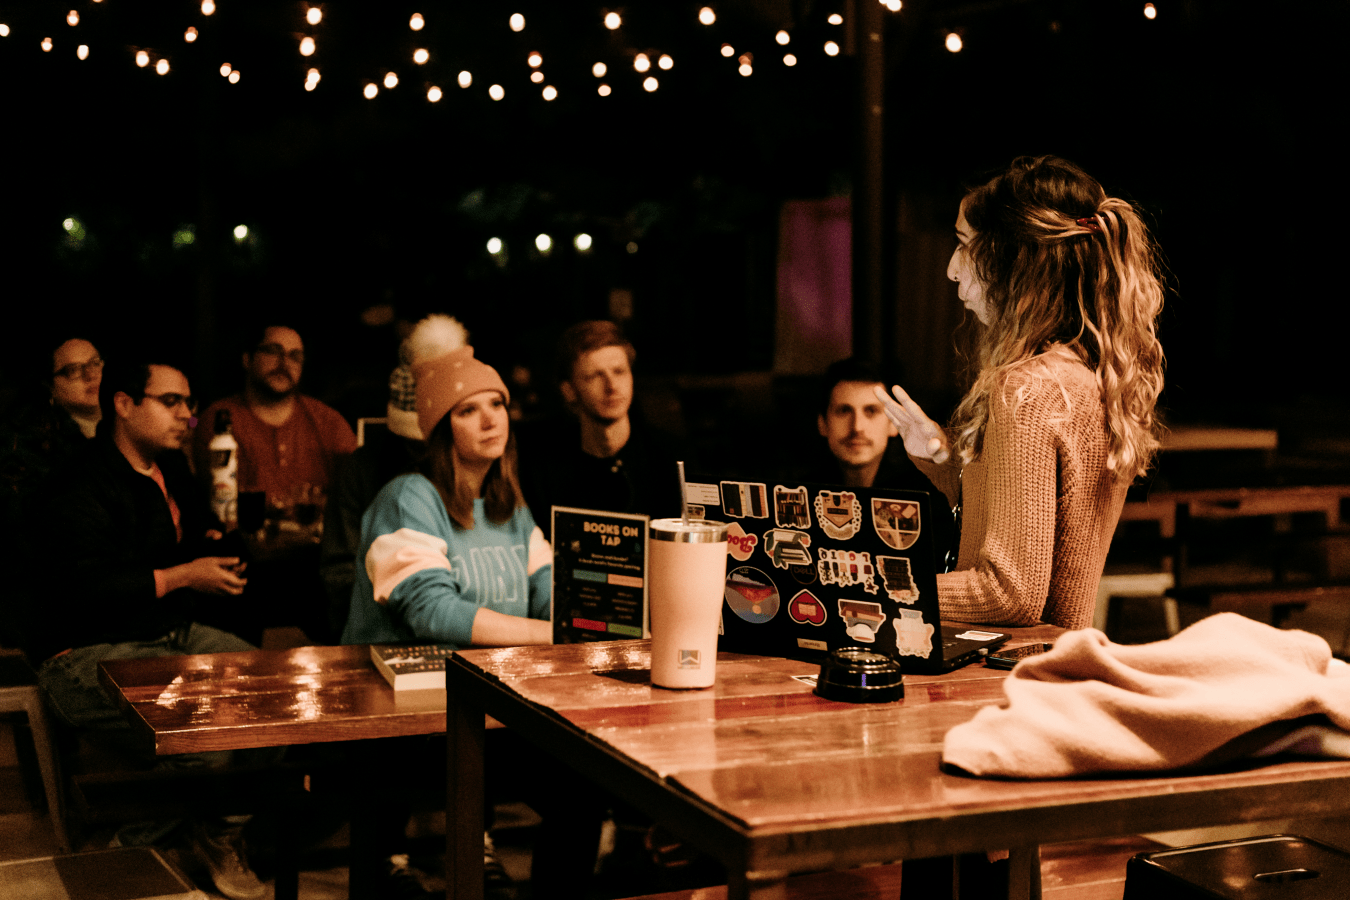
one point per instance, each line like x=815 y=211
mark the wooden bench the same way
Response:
x=1082 y=870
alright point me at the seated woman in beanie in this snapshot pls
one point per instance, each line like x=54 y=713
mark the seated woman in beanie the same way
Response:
x=451 y=555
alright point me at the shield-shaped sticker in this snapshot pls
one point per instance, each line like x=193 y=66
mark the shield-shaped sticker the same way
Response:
x=896 y=522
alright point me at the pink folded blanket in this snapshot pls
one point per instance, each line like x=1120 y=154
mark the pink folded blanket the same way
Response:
x=1225 y=687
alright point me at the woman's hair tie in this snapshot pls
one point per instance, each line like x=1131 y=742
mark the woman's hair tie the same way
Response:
x=1090 y=223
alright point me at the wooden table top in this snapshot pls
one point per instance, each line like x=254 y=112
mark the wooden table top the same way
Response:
x=266 y=698
x=769 y=762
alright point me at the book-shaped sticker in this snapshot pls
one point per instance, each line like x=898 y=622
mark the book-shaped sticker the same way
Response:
x=840 y=514
x=862 y=620
x=805 y=609
x=751 y=595
x=898 y=578
x=913 y=636
x=847 y=568
x=743 y=499
x=896 y=522
x=789 y=507
x=787 y=548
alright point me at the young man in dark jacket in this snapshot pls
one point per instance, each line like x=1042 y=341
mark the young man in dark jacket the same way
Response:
x=127 y=540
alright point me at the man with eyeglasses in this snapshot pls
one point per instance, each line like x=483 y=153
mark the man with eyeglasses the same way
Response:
x=126 y=552
x=289 y=445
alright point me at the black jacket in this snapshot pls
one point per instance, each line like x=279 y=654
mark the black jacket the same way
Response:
x=100 y=531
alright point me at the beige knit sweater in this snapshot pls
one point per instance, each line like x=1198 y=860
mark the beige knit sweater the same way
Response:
x=1038 y=506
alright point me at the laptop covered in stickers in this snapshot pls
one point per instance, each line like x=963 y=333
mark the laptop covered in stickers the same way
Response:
x=815 y=567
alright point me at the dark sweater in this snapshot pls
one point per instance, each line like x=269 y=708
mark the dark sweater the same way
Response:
x=101 y=530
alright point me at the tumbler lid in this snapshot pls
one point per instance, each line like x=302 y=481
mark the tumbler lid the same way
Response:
x=854 y=675
x=695 y=531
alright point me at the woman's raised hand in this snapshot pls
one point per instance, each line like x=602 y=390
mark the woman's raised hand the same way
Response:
x=923 y=437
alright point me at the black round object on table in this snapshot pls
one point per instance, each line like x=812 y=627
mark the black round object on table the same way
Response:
x=854 y=675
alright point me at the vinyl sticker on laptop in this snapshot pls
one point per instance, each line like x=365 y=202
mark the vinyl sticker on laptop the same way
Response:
x=739 y=544
x=805 y=609
x=840 y=514
x=862 y=620
x=697 y=512
x=896 y=522
x=789 y=507
x=751 y=595
x=743 y=499
x=913 y=636
x=898 y=578
x=847 y=568
x=787 y=547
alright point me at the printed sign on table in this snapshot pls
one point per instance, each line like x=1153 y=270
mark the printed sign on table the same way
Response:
x=599 y=576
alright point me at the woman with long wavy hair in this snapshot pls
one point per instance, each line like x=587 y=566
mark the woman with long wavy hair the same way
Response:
x=1060 y=420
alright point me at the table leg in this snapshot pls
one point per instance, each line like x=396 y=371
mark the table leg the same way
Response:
x=464 y=800
x=756 y=885
x=1024 y=873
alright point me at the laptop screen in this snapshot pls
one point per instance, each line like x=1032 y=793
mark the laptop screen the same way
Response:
x=815 y=567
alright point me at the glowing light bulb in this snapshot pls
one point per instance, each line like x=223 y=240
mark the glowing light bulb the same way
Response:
x=307 y=46
x=421 y=55
x=143 y=60
x=311 y=85
x=613 y=20
x=234 y=77
x=953 y=42
x=496 y=92
x=603 y=90
x=68 y=224
x=835 y=19
x=190 y=35
x=550 y=93
x=225 y=69
x=82 y=51
x=582 y=242
x=746 y=70
x=241 y=233
x=371 y=89
x=641 y=63
x=494 y=246
x=650 y=84
x=72 y=18
x=535 y=60
x=537 y=77
x=789 y=59
x=728 y=51
x=465 y=79
x=707 y=16
x=892 y=5
x=416 y=22
x=543 y=243
x=314 y=15
x=390 y=80
x=665 y=62
x=208 y=7
x=46 y=45
x=311 y=79
x=831 y=48
x=517 y=22
x=162 y=67
x=599 y=70
x=4 y=30
x=434 y=94
x=782 y=38
x=746 y=59
x=1150 y=11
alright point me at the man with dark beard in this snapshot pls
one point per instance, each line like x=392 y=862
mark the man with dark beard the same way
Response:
x=289 y=445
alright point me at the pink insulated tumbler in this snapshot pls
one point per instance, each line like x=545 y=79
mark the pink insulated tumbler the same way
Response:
x=688 y=571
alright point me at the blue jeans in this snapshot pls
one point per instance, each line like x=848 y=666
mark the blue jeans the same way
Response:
x=71 y=683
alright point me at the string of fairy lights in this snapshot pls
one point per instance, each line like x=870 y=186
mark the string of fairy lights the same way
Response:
x=643 y=62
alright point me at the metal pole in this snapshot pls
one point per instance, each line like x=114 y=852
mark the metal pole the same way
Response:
x=868 y=183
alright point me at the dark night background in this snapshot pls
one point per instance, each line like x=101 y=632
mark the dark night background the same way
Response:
x=1218 y=118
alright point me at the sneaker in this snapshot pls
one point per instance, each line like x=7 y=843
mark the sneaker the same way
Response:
x=400 y=881
x=222 y=852
x=497 y=884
